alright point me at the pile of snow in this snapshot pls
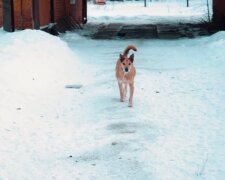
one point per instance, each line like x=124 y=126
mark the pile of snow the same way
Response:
x=213 y=51
x=156 y=12
x=35 y=106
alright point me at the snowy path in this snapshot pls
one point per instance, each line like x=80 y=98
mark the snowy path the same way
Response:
x=176 y=128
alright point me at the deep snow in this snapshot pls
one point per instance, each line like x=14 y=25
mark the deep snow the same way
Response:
x=174 y=131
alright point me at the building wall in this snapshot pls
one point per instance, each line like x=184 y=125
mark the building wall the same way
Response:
x=23 y=14
x=0 y=13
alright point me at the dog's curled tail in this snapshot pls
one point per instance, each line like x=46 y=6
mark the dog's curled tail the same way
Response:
x=129 y=47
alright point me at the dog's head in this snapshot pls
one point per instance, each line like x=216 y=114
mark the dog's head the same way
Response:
x=126 y=62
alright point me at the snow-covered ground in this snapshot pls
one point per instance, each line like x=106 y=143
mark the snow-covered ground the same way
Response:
x=173 y=11
x=175 y=130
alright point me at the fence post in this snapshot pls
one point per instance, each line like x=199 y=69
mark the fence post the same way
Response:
x=8 y=15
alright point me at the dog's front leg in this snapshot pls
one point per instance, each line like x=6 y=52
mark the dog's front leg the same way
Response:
x=121 y=91
x=131 y=94
x=125 y=90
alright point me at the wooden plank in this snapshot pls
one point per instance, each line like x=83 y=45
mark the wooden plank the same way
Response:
x=77 y=11
x=44 y=12
x=8 y=16
x=59 y=9
x=27 y=14
x=23 y=14
x=17 y=8
x=36 y=18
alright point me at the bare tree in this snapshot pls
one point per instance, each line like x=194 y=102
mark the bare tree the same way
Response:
x=208 y=12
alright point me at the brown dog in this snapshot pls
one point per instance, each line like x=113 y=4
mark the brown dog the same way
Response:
x=125 y=73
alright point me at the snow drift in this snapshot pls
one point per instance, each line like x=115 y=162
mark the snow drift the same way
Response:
x=35 y=67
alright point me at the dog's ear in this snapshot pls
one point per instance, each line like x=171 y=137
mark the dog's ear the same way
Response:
x=131 y=58
x=122 y=57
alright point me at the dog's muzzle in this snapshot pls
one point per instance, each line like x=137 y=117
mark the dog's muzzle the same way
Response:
x=126 y=69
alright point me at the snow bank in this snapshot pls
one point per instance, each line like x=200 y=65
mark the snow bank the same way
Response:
x=37 y=55
x=35 y=67
x=214 y=49
x=217 y=39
